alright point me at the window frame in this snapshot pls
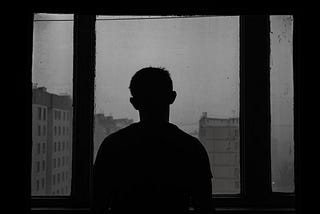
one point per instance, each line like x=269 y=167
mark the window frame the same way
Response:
x=255 y=182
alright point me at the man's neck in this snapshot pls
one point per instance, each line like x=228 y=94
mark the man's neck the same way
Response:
x=154 y=118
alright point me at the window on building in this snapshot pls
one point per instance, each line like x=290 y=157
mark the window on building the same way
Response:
x=44 y=114
x=53 y=179
x=37 y=185
x=54 y=163
x=44 y=131
x=43 y=165
x=43 y=148
x=38 y=166
x=39 y=130
x=39 y=113
x=38 y=148
x=42 y=183
x=58 y=178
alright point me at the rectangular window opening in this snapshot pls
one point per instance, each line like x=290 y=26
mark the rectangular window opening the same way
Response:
x=281 y=91
x=52 y=88
x=202 y=56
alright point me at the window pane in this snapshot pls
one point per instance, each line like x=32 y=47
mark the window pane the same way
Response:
x=281 y=88
x=202 y=55
x=52 y=71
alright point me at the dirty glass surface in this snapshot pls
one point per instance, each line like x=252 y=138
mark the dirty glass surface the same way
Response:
x=281 y=88
x=202 y=55
x=52 y=71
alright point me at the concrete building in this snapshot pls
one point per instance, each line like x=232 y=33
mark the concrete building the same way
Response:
x=51 y=143
x=104 y=126
x=221 y=139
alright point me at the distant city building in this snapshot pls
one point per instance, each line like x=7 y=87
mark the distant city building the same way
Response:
x=51 y=143
x=220 y=137
x=106 y=125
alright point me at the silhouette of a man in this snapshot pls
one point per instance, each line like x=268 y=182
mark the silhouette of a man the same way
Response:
x=152 y=166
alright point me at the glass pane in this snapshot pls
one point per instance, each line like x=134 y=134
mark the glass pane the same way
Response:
x=202 y=55
x=281 y=88
x=52 y=71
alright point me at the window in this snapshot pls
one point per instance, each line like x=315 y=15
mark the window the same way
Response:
x=43 y=148
x=281 y=89
x=254 y=183
x=206 y=86
x=38 y=185
x=38 y=148
x=39 y=113
x=44 y=114
x=43 y=165
x=53 y=179
x=54 y=163
x=39 y=130
x=38 y=166
x=44 y=131
x=58 y=178
x=42 y=183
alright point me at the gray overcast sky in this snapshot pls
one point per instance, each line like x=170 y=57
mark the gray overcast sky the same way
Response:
x=202 y=55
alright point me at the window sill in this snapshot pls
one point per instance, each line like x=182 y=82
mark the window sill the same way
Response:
x=218 y=210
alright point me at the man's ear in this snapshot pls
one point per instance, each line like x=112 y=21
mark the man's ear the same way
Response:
x=134 y=103
x=172 y=97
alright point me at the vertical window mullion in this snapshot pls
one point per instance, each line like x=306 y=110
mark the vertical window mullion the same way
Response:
x=255 y=91
x=84 y=68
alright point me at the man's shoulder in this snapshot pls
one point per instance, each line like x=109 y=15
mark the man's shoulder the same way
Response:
x=114 y=138
x=186 y=138
x=127 y=131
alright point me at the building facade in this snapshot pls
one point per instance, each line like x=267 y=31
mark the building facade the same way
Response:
x=221 y=139
x=51 y=143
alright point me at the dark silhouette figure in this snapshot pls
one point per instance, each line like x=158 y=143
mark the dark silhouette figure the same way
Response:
x=152 y=166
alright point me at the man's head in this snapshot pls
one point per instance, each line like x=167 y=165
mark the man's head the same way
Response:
x=151 y=89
